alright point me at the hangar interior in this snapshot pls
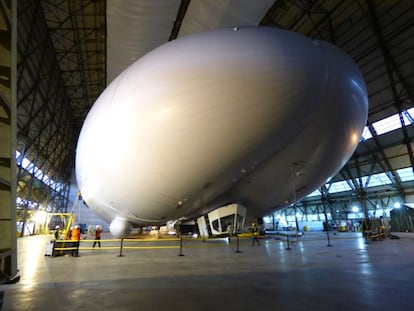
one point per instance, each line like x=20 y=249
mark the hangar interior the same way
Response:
x=57 y=56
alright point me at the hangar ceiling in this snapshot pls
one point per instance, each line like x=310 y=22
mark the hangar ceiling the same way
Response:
x=70 y=50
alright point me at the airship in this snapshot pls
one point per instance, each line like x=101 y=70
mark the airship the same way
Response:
x=252 y=115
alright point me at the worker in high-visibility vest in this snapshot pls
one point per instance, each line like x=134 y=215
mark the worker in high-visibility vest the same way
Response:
x=75 y=238
x=255 y=234
x=98 y=231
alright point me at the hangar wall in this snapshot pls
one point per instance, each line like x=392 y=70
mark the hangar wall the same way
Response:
x=45 y=135
x=8 y=242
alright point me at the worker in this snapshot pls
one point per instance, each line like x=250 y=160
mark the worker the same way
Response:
x=255 y=234
x=75 y=239
x=97 y=236
x=386 y=226
x=57 y=232
x=69 y=234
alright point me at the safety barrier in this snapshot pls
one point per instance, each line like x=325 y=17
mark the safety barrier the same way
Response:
x=114 y=241
x=71 y=247
x=64 y=247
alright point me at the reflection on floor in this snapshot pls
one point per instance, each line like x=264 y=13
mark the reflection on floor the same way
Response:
x=350 y=275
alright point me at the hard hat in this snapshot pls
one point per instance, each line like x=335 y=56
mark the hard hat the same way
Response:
x=97 y=226
x=57 y=227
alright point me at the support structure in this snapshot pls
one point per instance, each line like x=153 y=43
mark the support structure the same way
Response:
x=8 y=242
x=324 y=200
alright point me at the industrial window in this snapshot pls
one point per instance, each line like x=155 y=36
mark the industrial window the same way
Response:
x=380 y=179
x=339 y=186
x=38 y=173
x=366 y=134
x=406 y=174
x=389 y=124
x=315 y=193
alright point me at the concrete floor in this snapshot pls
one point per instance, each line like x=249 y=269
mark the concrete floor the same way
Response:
x=350 y=275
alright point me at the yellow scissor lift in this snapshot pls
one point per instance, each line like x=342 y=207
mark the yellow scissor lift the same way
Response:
x=373 y=230
x=64 y=220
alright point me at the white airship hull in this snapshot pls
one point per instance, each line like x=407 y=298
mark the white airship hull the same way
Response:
x=254 y=115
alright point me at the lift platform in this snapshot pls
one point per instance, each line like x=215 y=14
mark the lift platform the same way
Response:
x=64 y=220
x=376 y=234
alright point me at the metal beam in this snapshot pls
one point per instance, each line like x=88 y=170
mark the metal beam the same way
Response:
x=179 y=19
x=391 y=68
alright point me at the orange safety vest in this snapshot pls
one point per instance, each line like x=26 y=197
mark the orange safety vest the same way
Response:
x=76 y=234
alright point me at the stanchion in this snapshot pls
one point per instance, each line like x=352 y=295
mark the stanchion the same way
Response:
x=288 y=245
x=329 y=241
x=237 y=237
x=120 y=250
x=181 y=247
